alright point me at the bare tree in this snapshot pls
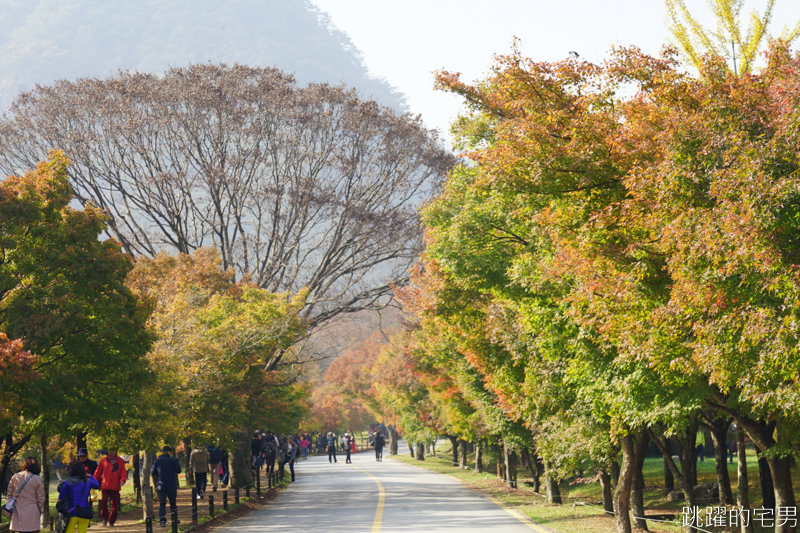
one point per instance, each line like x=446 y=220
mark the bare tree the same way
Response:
x=297 y=186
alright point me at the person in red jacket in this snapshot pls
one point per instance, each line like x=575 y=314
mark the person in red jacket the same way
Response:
x=112 y=475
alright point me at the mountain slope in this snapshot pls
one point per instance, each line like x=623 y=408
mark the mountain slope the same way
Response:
x=44 y=40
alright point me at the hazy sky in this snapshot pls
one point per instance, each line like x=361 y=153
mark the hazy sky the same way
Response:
x=404 y=41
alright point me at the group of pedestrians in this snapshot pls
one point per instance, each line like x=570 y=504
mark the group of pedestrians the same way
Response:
x=74 y=506
x=347 y=445
x=109 y=475
x=205 y=461
x=266 y=448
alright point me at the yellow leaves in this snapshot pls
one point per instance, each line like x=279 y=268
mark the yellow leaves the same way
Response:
x=696 y=41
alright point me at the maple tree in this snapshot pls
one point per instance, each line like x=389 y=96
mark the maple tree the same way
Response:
x=73 y=337
x=214 y=337
x=644 y=242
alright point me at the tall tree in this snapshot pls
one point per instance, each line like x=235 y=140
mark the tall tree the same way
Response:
x=63 y=297
x=299 y=187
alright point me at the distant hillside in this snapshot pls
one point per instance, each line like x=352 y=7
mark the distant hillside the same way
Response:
x=44 y=40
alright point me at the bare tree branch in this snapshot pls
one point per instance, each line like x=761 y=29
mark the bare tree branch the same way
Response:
x=296 y=186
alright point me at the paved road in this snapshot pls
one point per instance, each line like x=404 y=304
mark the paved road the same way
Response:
x=368 y=496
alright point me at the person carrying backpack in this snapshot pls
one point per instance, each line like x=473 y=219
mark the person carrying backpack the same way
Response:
x=331 y=448
x=379 y=444
x=73 y=497
x=199 y=460
x=271 y=452
x=214 y=462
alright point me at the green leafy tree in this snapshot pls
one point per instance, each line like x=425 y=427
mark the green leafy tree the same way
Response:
x=63 y=297
x=214 y=337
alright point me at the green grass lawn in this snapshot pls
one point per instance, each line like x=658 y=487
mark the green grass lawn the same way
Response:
x=572 y=517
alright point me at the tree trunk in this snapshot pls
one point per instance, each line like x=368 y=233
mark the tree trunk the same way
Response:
x=462 y=462
x=605 y=486
x=389 y=444
x=420 y=451
x=10 y=450
x=539 y=464
x=45 y=515
x=410 y=448
x=742 y=494
x=669 y=479
x=719 y=436
x=615 y=471
x=510 y=460
x=80 y=440
x=478 y=457
x=526 y=461
x=147 y=487
x=622 y=496
x=765 y=477
x=780 y=468
x=240 y=472
x=686 y=485
x=395 y=438
x=137 y=479
x=551 y=487
x=512 y=463
x=637 y=483
x=454 y=451
x=501 y=464
x=187 y=464
x=761 y=433
x=688 y=455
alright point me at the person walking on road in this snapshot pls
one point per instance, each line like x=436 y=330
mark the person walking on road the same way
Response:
x=166 y=469
x=290 y=455
x=304 y=447
x=331 y=448
x=346 y=441
x=28 y=489
x=271 y=452
x=75 y=491
x=58 y=467
x=88 y=464
x=379 y=444
x=112 y=475
x=255 y=452
x=322 y=442
x=214 y=464
x=199 y=461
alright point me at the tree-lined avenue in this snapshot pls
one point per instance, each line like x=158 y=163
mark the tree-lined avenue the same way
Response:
x=341 y=497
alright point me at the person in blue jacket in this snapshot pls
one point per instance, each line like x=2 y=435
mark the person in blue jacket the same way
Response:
x=166 y=469
x=75 y=490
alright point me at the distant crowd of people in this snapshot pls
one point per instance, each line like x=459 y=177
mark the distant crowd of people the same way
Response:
x=327 y=443
x=267 y=448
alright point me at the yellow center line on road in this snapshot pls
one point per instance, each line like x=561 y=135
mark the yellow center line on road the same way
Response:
x=376 y=523
x=517 y=515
